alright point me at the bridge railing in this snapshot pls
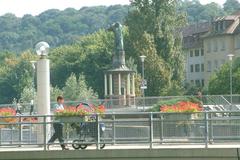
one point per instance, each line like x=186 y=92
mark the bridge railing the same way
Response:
x=151 y=129
x=140 y=103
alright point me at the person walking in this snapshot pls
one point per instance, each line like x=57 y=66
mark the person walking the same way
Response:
x=58 y=126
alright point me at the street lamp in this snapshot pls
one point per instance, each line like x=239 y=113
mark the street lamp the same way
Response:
x=43 y=87
x=143 y=85
x=230 y=56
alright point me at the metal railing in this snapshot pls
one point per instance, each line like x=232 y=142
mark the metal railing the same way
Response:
x=151 y=129
x=140 y=103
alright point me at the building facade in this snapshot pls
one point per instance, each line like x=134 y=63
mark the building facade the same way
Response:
x=207 y=46
x=194 y=53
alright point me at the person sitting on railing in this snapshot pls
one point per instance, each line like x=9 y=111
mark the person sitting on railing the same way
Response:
x=58 y=127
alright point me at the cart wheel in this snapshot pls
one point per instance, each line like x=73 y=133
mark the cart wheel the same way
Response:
x=83 y=146
x=102 y=146
x=75 y=144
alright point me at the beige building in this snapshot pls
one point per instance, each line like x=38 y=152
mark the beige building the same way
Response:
x=207 y=45
x=194 y=53
x=222 y=39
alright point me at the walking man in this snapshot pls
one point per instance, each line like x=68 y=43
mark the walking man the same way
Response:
x=58 y=126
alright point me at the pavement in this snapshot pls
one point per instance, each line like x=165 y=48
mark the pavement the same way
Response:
x=116 y=147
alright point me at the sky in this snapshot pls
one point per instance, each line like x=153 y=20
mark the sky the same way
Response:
x=35 y=7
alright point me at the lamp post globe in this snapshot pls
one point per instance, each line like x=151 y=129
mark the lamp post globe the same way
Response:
x=42 y=48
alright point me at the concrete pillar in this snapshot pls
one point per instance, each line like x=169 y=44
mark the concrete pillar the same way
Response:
x=133 y=84
x=119 y=84
x=128 y=84
x=43 y=97
x=43 y=87
x=105 y=85
x=110 y=85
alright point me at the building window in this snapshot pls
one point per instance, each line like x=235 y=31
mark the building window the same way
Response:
x=223 y=45
x=191 y=68
x=203 y=82
x=196 y=53
x=216 y=64
x=197 y=67
x=223 y=61
x=209 y=66
x=191 y=53
x=209 y=47
x=192 y=81
x=237 y=43
x=202 y=67
x=215 y=49
x=202 y=52
x=221 y=26
x=197 y=82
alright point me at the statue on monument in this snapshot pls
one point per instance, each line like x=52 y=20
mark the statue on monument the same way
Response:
x=117 y=29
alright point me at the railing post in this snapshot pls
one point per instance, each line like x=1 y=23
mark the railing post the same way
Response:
x=113 y=128
x=0 y=136
x=206 y=129
x=98 y=132
x=20 y=131
x=211 y=129
x=45 y=133
x=161 y=128
x=151 y=129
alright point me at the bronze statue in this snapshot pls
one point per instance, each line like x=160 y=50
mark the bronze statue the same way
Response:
x=117 y=29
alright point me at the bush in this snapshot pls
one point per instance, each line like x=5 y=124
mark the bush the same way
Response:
x=173 y=101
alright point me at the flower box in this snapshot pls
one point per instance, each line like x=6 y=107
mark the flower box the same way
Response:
x=73 y=119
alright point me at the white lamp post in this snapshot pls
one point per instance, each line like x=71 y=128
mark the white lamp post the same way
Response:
x=43 y=88
x=143 y=86
x=230 y=56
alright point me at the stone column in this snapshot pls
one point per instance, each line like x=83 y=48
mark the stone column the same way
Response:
x=105 y=85
x=110 y=85
x=128 y=84
x=133 y=84
x=119 y=84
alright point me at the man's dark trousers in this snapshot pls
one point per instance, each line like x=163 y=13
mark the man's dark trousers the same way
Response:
x=58 y=133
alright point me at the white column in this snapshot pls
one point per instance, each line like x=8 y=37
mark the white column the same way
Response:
x=119 y=84
x=43 y=97
x=133 y=84
x=43 y=87
x=110 y=85
x=105 y=85
x=128 y=84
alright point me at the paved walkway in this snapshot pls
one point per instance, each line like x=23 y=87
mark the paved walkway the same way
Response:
x=115 y=147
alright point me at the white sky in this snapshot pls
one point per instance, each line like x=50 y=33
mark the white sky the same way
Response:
x=34 y=7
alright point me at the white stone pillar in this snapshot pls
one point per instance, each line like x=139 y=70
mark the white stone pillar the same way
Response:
x=110 y=85
x=128 y=84
x=133 y=84
x=43 y=97
x=119 y=84
x=43 y=87
x=105 y=85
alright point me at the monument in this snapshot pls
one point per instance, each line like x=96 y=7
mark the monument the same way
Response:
x=119 y=81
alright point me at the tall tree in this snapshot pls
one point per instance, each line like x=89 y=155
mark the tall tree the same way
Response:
x=153 y=30
x=231 y=6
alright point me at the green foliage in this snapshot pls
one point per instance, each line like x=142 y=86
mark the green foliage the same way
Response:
x=77 y=89
x=55 y=26
x=220 y=82
x=231 y=6
x=64 y=27
x=152 y=30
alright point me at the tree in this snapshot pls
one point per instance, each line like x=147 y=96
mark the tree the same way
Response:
x=220 y=82
x=153 y=32
x=231 y=6
x=77 y=89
